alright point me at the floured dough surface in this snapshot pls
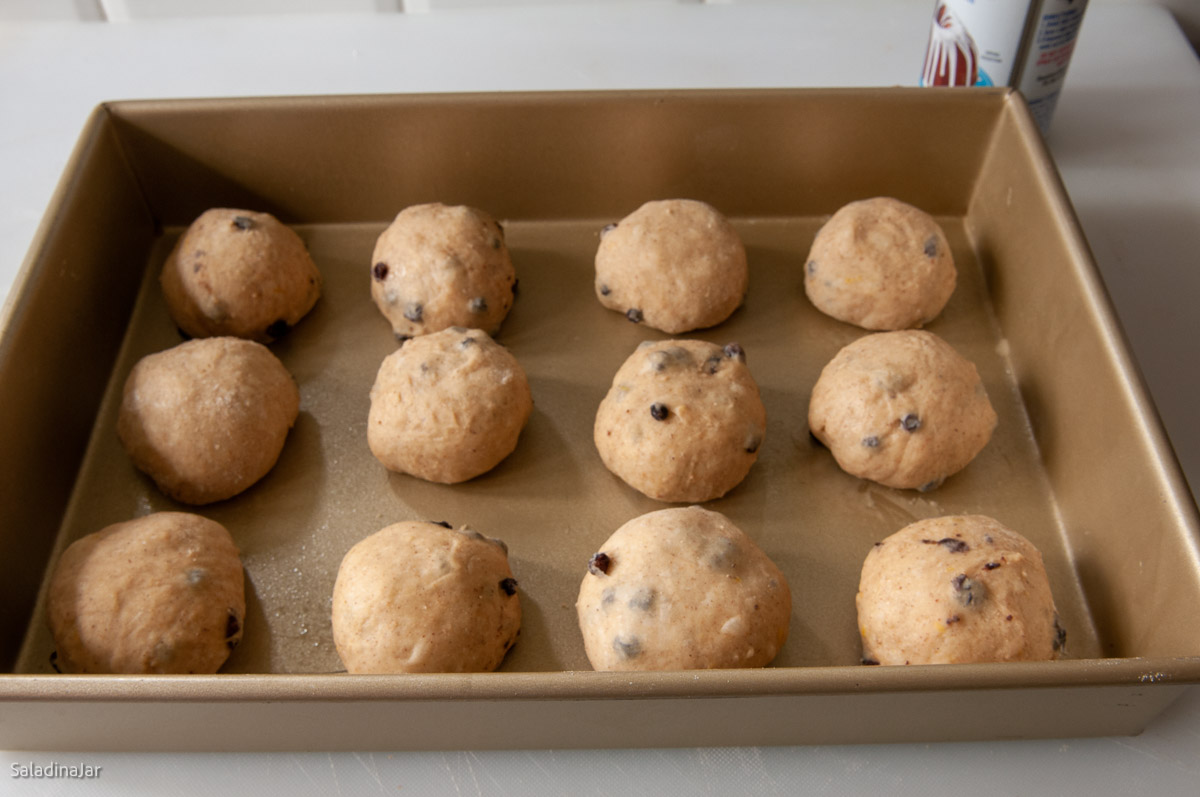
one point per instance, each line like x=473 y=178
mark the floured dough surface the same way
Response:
x=448 y=406
x=439 y=266
x=880 y=264
x=423 y=597
x=682 y=589
x=673 y=264
x=207 y=418
x=683 y=420
x=902 y=408
x=241 y=273
x=953 y=590
x=160 y=594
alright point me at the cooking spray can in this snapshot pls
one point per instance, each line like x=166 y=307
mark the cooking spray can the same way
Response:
x=1025 y=44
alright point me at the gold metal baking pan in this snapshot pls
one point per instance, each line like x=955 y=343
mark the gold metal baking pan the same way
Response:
x=1079 y=463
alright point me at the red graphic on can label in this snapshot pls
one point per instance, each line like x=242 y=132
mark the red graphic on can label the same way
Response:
x=951 y=58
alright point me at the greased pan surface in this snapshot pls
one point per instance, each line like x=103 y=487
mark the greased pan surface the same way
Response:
x=552 y=501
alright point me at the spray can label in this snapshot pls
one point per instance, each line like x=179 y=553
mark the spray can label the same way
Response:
x=974 y=42
x=1049 y=52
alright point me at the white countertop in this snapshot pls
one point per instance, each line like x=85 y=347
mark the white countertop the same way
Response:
x=1127 y=142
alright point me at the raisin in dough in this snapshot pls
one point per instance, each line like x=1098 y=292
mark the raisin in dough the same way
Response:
x=422 y=597
x=207 y=418
x=674 y=264
x=683 y=420
x=953 y=590
x=240 y=273
x=437 y=266
x=880 y=264
x=903 y=409
x=447 y=406
x=682 y=589
x=160 y=594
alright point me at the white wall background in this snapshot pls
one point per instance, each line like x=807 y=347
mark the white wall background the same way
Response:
x=1187 y=12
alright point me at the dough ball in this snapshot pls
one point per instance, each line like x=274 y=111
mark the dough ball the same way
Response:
x=437 y=266
x=422 y=597
x=903 y=409
x=956 y=589
x=239 y=273
x=448 y=406
x=160 y=594
x=207 y=418
x=673 y=264
x=682 y=589
x=683 y=420
x=880 y=264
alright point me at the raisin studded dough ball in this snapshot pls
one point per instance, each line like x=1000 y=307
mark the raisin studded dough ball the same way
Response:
x=880 y=264
x=422 y=597
x=682 y=589
x=903 y=409
x=160 y=594
x=447 y=406
x=953 y=590
x=240 y=273
x=683 y=420
x=675 y=264
x=437 y=266
x=207 y=418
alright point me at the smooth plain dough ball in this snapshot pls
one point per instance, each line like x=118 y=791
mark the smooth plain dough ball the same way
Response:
x=903 y=409
x=423 y=597
x=673 y=264
x=160 y=594
x=880 y=264
x=438 y=266
x=954 y=590
x=448 y=406
x=682 y=589
x=683 y=420
x=207 y=418
x=240 y=273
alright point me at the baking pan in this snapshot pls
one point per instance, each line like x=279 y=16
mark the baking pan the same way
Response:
x=1079 y=462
